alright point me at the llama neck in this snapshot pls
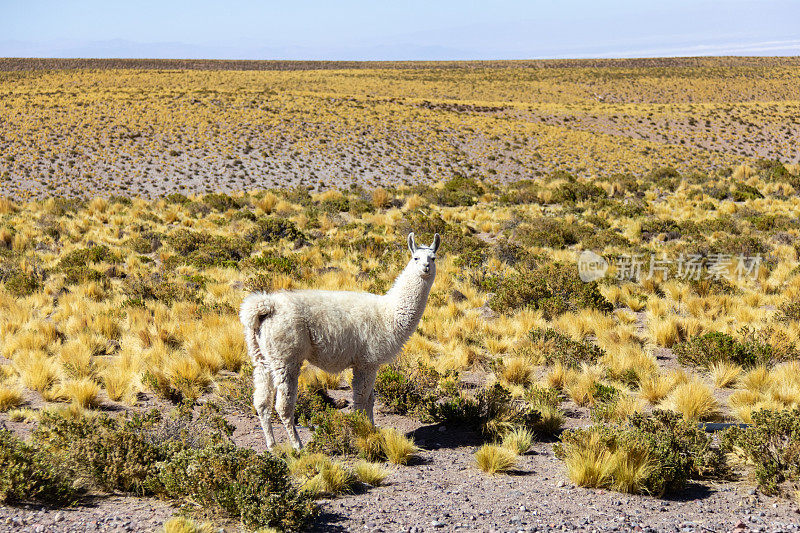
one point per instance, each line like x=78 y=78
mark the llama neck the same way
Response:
x=407 y=299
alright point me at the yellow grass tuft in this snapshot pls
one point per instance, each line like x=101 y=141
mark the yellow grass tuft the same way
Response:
x=694 y=400
x=398 y=448
x=83 y=392
x=179 y=524
x=517 y=370
x=320 y=475
x=654 y=387
x=756 y=379
x=724 y=374
x=518 y=440
x=370 y=473
x=10 y=397
x=494 y=459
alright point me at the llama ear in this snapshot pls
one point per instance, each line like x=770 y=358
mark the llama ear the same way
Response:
x=411 y=244
x=437 y=240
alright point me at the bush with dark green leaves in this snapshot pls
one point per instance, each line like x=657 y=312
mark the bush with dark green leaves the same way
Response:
x=255 y=488
x=772 y=445
x=337 y=433
x=140 y=289
x=678 y=449
x=490 y=412
x=85 y=256
x=21 y=282
x=556 y=347
x=271 y=229
x=576 y=191
x=664 y=178
x=411 y=392
x=458 y=190
x=715 y=347
x=205 y=250
x=28 y=475
x=552 y=232
x=271 y=262
x=554 y=288
x=221 y=202
x=183 y=455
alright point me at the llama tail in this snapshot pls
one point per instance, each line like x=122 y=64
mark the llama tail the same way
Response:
x=255 y=308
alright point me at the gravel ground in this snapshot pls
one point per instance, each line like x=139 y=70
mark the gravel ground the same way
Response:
x=444 y=491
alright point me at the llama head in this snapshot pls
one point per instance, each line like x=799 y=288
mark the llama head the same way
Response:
x=423 y=258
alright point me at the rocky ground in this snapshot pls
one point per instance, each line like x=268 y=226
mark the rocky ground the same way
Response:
x=444 y=491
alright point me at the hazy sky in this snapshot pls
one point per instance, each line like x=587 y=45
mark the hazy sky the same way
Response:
x=444 y=29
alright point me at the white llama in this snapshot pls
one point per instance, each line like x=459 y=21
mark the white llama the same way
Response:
x=333 y=330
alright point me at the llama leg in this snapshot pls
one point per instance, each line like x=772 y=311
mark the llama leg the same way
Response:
x=263 y=400
x=285 y=381
x=363 y=386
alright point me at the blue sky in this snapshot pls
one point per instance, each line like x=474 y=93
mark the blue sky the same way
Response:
x=444 y=29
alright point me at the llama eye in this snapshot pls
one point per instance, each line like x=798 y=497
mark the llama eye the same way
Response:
x=416 y=259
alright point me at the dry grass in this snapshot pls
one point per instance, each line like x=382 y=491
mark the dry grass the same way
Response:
x=518 y=440
x=494 y=459
x=372 y=474
x=655 y=387
x=398 y=448
x=724 y=374
x=694 y=400
x=180 y=524
x=593 y=464
x=10 y=397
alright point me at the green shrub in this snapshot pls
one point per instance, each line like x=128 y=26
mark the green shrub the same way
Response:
x=664 y=178
x=576 y=191
x=156 y=287
x=28 y=475
x=771 y=444
x=338 y=433
x=109 y=455
x=491 y=412
x=715 y=347
x=205 y=250
x=221 y=202
x=552 y=233
x=553 y=288
x=20 y=283
x=546 y=401
x=556 y=347
x=411 y=392
x=183 y=455
x=255 y=488
x=84 y=256
x=144 y=243
x=520 y=192
x=744 y=192
x=270 y=262
x=789 y=311
x=271 y=229
x=651 y=227
x=674 y=451
x=458 y=190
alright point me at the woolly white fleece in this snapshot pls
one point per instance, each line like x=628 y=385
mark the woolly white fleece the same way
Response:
x=333 y=330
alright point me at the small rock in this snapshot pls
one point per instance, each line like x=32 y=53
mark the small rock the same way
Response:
x=437 y=523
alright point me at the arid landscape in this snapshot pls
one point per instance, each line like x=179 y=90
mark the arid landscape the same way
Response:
x=612 y=342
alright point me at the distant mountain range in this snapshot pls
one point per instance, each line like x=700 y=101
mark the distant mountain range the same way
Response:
x=121 y=48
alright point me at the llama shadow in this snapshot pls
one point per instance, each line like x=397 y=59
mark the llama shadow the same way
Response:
x=328 y=522
x=693 y=492
x=437 y=436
